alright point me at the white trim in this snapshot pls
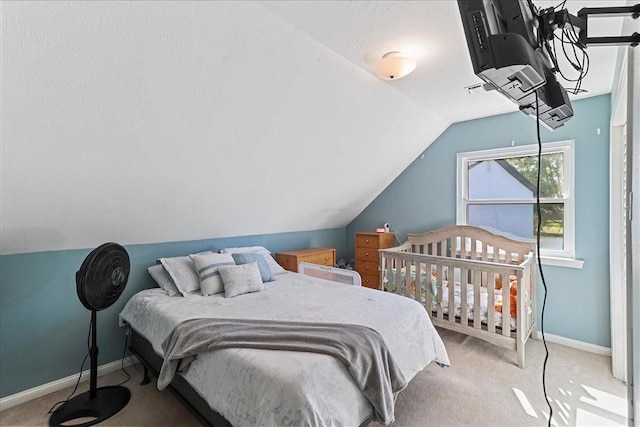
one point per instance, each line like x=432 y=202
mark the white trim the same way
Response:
x=48 y=388
x=567 y=147
x=580 y=345
x=617 y=227
x=617 y=254
x=563 y=262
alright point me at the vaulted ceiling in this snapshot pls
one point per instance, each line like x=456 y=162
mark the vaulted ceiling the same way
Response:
x=162 y=121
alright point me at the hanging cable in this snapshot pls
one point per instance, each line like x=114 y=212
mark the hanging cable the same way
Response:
x=574 y=52
x=544 y=283
x=124 y=354
x=62 y=403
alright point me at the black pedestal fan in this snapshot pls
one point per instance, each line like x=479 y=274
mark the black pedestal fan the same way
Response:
x=100 y=281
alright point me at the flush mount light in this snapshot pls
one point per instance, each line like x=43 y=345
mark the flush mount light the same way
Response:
x=394 y=66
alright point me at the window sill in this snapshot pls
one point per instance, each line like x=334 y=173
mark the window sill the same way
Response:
x=562 y=262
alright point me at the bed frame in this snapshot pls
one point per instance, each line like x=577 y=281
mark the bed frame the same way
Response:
x=152 y=363
x=458 y=252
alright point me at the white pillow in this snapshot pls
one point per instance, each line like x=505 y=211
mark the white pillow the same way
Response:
x=241 y=279
x=163 y=279
x=206 y=266
x=181 y=271
x=272 y=263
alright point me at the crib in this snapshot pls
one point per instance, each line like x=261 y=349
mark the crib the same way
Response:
x=469 y=280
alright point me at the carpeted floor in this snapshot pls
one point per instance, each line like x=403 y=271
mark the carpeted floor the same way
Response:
x=483 y=387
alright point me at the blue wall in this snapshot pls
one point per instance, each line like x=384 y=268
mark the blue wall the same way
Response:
x=423 y=197
x=43 y=325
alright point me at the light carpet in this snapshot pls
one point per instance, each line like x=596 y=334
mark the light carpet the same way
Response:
x=483 y=387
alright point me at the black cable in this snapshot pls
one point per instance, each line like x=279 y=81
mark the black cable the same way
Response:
x=62 y=403
x=544 y=283
x=124 y=354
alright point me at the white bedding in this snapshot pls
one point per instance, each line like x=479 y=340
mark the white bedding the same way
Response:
x=429 y=280
x=278 y=388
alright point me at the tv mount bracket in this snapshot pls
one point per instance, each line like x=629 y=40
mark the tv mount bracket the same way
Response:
x=550 y=20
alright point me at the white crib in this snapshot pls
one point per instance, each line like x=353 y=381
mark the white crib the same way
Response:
x=462 y=266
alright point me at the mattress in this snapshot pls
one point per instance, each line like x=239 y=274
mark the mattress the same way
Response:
x=278 y=388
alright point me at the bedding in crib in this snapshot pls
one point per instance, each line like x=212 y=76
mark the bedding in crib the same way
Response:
x=432 y=280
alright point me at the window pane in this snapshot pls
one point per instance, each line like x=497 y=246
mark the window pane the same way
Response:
x=520 y=220
x=516 y=178
x=552 y=231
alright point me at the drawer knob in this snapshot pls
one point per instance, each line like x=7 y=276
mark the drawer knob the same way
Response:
x=366 y=241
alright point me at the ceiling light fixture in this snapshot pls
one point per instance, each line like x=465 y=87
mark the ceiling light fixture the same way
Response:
x=394 y=66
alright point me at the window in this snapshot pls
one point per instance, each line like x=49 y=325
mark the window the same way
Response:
x=497 y=190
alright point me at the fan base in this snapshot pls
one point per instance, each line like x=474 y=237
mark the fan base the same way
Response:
x=108 y=402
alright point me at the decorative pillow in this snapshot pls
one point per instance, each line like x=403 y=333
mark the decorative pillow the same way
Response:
x=181 y=271
x=265 y=272
x=163 y=279
x=206 y=266
x=241 y=279
x=272 y=263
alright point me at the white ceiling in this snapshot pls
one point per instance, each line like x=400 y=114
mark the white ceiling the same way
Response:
x=431 y=32
x=143 y=122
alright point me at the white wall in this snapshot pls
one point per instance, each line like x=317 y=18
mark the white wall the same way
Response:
x=145 y=122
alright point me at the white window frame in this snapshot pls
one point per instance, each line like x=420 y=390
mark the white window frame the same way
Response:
x=563 y=258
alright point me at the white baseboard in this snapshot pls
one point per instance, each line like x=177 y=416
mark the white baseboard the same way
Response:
x=580 y=345
x=43 y=390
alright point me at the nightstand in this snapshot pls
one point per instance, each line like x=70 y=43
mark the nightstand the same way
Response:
x=368 y=258
x=323 y=256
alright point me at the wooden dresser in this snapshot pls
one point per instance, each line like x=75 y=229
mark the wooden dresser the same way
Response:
x=367 y=257
x=290 y=260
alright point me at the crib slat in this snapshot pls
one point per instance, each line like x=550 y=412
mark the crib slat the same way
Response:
x=506 y=306
x=440 y=291
x=463 y=247
x=463 y=296
x=406 y=289
x=418 y=283
x=491 y=308
x=384 y=269
x=401 y=280
x=477 y=320
x=452 y=294
x=429 y=295
x=397 y=282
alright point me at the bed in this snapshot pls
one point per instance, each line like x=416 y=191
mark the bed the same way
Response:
x=248 y=386
x=469 y=280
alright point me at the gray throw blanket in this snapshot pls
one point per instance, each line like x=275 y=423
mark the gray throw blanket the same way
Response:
x=361 y=348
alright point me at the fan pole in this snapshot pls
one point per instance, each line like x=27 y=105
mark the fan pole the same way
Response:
x=93 y=379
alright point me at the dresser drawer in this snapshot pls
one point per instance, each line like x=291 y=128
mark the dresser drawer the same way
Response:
x=325 y=258
x=367 y=267
x=367 y=241
x=367 y=254
x=370 y=281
